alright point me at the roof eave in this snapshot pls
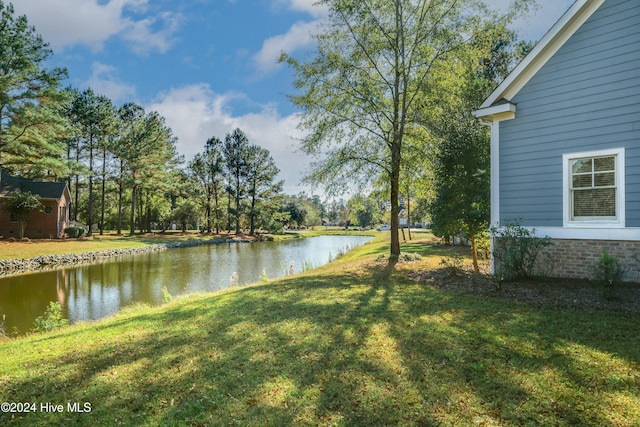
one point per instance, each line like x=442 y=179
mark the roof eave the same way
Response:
x=499 y=112
x=552 y=41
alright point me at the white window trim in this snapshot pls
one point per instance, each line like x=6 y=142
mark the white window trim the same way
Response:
x=619 y=221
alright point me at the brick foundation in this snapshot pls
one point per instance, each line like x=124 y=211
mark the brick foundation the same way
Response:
x=571 y=258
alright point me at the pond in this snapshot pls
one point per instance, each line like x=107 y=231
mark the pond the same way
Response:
x=94 y=291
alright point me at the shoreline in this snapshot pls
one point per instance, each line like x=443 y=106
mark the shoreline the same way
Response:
x=14 y=267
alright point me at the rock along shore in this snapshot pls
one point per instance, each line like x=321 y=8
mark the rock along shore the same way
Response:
x=10 y=267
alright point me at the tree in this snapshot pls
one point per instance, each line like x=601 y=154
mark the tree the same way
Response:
x=362 y=210
x=371 y=82
x=461 y=204
x=261 y=185
x=93 y=117
x=31 y=123
x=234 y=148
x=339 y=213
x=185 y=211
x=22 y=205
x=360 y=93
x=35 y=139
x=147 y=155
x=295 y=209
x=208 y=170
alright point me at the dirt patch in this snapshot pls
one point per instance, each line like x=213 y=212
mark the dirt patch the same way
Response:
x=547 y=292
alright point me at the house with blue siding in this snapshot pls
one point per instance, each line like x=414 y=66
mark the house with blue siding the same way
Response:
x=565 y=138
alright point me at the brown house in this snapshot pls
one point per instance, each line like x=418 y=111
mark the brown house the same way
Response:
x=50 y=222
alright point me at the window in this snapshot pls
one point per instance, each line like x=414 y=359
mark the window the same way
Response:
x=594 y=188
x=13 y=217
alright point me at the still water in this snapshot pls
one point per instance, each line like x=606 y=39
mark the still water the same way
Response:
x=94 y=291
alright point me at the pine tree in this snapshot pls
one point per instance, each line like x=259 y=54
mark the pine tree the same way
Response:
x=234 y=148
x=261 y=185
x=93 y=117
x=32 y=125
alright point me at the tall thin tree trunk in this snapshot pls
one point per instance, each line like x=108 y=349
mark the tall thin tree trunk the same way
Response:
x=252 y=216
x=217 y=210
x=229 y=212
x=409 y=215
x=395 y=183
x=120 y=196
x=474 y=251
x=90 y=207
x=208 y=209
x=237 y=199
x=75 y=203
x=134 y=196
x=104 y=178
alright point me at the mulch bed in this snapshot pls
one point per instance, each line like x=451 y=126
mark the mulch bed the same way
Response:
x=541 y=292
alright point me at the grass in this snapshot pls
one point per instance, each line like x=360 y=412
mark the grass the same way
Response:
x=354 y=343
x=43 y=247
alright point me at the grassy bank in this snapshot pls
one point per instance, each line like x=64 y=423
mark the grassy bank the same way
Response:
x=44 y=247
x=354 y=343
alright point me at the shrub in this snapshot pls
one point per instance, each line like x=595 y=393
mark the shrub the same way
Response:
x=516 y=250
x=74 y=232
x=410 y=256
x=607 y=271
x=453 y=264
x=52 y=318
x=483 y=245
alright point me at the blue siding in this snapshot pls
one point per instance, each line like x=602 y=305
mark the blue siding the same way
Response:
x=586 y=97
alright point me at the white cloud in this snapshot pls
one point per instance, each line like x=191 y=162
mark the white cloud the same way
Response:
x=298 y=37
x=308 y=6
x=91 y=23
x=145 y=40
x=196 y=113
x=104 y=81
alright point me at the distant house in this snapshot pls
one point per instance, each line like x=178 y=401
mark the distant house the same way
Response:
x=565 y=138
x=53 y=219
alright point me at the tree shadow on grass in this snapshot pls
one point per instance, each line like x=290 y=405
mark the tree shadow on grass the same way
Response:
x=363 y=349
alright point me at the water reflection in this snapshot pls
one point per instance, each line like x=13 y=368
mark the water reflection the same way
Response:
x=98 y=290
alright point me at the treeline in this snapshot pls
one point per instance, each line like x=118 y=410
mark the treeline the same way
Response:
x=237 y=181
x=121 y=162
x=429 y=161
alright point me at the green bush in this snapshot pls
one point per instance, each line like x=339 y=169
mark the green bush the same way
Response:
x=453 y=264
x=515 y=250
x=74 y=232
x=52 y=318
x=483 y=245
x=410 y=256
x=607 y=271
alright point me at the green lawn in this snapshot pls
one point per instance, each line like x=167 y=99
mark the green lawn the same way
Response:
x=44 y=247
x=354 y=343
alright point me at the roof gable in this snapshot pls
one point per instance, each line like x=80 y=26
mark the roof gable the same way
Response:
x=46 y=190
x=553 y=40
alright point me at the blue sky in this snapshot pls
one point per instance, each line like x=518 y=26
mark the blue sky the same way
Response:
x=208 y=66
